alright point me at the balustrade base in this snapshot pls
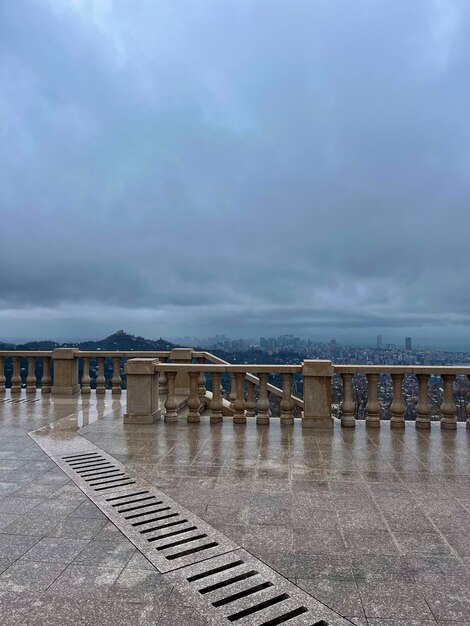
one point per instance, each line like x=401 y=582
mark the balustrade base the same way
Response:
x=65 y=391
x=448 y=424
x=130 y=418
x=323 y=423
x=398 y=424
x=423 y=424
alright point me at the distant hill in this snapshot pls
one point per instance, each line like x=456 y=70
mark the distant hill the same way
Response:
x=118 y=341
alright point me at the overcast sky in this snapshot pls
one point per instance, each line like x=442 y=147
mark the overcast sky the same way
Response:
x=247 y=167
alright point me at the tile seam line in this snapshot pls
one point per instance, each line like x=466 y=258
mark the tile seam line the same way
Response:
x=89 y=444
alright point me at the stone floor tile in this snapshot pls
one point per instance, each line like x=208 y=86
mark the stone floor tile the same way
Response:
x=371 y=542
x=138 y=561
x=394 y=600
x=370 y=567
x=81 y=580
x=30 y=576
x=55 y=550
x=106 y=554
x=401 y=622
x=140 y=586
x=14 y=546
x=89 y=510
x=176 y=611
x=78 y=528
x=268 y=539
x=422 y=543
x=72 y=611
x=109 y=532
x=448 y=598
x=332 y=566
x=341 y=595
x=17 y=506
x=8 y=488
x=318 y=541
x=15 y=606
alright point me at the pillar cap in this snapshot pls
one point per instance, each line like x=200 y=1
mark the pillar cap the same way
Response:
x=317 y=368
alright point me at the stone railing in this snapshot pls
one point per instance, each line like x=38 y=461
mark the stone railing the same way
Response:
x=189 y=381
x=67 y=371
x=249 y=393
x=447 y=413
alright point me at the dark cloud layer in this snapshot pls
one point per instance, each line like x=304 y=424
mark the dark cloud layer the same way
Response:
x=182 y=167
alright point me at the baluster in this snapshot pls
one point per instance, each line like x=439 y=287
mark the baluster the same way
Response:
x=372 y=406
x=86 y=380
x=16 y=376
x=250 y=400
x=216 y=404
x=233 y=393
x=162 y=379
x=287 y=404
x=2 y=374
x=467 y=408
x=448 y=409
x=201 y=384
x=170 y=403
x=263 y=402
x=100 y=379
x=239 y=416
x=31 y=376
x=397 y=407
x=193 y=402
x=348 y=406
x=423 y=410
x=116 y=379
x=46 y=375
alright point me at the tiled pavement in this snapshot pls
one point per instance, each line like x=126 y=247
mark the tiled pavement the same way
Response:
x=375 y=524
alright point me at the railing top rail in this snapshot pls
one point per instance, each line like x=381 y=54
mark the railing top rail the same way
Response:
x=25 y=353
x=432 y=370
x=127 y=353
x=228 y=367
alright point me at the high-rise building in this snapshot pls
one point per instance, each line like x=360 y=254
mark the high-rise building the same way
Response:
x=379 y=342
x=408 y=343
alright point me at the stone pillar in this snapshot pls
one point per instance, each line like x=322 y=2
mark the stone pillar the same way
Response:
x=65 y=371
x=142 y=392
x=317 y=394
x=348 y=406
x=182 y=356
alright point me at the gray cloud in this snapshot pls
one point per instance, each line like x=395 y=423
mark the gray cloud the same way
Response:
x=241 y=167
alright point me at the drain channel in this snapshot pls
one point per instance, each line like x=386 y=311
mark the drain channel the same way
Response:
x=224 y=582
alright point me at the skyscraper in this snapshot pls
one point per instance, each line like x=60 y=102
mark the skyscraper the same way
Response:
x=408 y=343
x=379 y=342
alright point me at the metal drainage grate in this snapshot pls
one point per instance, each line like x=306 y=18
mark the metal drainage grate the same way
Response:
x=167 y=533
x=238 y=588
x=224 y=582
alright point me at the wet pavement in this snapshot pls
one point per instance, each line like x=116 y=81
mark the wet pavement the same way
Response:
x=373 y=523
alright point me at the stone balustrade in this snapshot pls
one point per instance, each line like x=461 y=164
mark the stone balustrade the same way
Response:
x=397 y=409
x=181 y=377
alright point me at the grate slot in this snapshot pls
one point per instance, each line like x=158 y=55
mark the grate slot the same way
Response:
x=134 y=515
x=141 y=506
x=131 y=482
x=134 y=501
x=286 y=617
x=84 y=468
x=98 y=472
x=127 y=495
x=242 y=594
x=79 y=456
x=107 y=474
x=105 y=481
x=180 y=542
x=156 y=519
x=175 y=532
x=206 y=546
x=183 y=521
x=258 y=607
x=216 y=570
x=320 y=623
x=228 y=581
x=86 y=462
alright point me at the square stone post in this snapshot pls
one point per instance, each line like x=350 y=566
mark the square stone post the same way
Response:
x=317 y=394
x=182 y=356
x=142 y=392
x=65 y=362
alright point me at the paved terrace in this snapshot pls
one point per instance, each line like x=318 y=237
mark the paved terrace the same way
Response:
x=372 y=522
